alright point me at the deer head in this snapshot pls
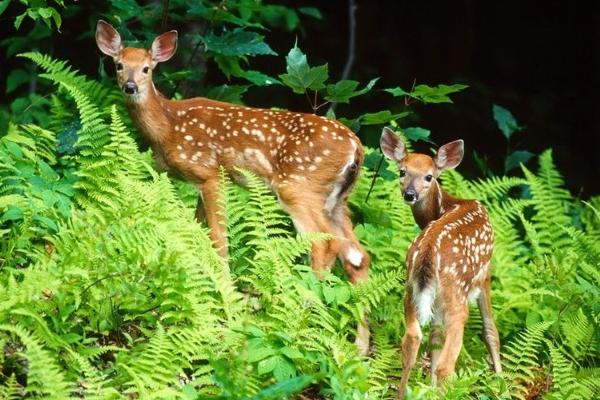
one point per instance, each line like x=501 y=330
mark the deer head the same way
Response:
x=134 y=66
x=419 y=172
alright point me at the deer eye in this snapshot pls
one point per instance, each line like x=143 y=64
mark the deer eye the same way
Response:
x=119 y=67
x=402 y=173
x=429 y=177
x=145 y=70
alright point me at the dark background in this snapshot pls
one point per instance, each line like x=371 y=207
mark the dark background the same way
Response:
x=537 y=59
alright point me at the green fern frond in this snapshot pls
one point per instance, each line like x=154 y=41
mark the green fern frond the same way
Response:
x=521 y=356
x=44 y=377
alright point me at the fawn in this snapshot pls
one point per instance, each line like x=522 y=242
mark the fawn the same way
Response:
x=447 y=264
x=310 y=162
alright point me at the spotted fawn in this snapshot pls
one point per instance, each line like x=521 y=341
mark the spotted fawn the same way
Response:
x=448 y=263
x=310 y=162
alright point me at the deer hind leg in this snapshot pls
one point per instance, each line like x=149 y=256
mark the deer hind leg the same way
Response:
x=436 y=340
x=215 y=219
x=308 y=215
x=490 y=333
x=356 y=263
x=455 y=319
x=410 y=342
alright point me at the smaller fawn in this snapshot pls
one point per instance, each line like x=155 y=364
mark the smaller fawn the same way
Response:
x=447 y=264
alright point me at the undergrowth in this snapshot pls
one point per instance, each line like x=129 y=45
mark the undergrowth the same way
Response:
x=111 y=290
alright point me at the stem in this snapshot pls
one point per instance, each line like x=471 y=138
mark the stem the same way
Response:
x=375 y=174
x=165 y=15
x=352 y=7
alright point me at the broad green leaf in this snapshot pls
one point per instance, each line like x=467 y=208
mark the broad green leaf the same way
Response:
x=300 y=76
x=267 y=365
x=505 y=120
x=259 y=79
x=381 y=117
x=16 y=78
x=228 y=93
x=436 y=94
x=517 y=158
x=237 y=43
x=3 y=5
x=397 y=91
x=428 y=94
x=291 y=353
x=329 y=294
x=285 y=388
x=283 y=370
x=417 y=133
x=311 y=11
x=260 y=353
x=344 y=90
x=373 y=160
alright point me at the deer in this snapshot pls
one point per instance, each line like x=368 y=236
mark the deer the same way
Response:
x=448 y=264
x=310 y=162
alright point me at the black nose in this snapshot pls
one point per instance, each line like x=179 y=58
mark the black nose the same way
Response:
x=410 y=195
x=130 y=87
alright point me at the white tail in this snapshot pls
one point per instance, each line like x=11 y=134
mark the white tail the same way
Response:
x=448 y=263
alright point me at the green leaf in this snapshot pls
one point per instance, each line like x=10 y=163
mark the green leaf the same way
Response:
x=381 y=117
x=311 y=12
x=428 y=94
x=19 y=20
x=237 y=43
x=436 y=94
x=505 y=120
x=372 y=161
x=260 y=79
x=16 y=78
x=344 y=90
x=300 y=76
x=516 y=158
x=329 y=294
x=397 y=91
x=417 y=133
x=13 y=213
x=285 y=388
x=228 y=93
x=283 y=370
x=260 y=353
x=45 y=12
x=268 y=365
x=291 y=353
x=3 y=5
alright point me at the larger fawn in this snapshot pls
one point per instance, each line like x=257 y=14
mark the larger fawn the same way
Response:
x=310 y=162
x=448 y=263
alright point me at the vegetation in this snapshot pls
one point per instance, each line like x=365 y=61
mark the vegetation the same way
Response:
x=111 y=290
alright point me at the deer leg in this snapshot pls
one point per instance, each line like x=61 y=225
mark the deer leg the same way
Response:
x=355 y=259
x=436 y=340
x=410 y=342
x=200 y=214
x=214 y=215
x=309 y=218
x=455 y=320
x=490 y=333
x=356 y=264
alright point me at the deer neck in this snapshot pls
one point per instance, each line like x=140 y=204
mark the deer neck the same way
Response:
x=432 y=206
x=149 y=113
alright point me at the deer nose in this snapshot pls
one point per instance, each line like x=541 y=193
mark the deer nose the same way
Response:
x=130 y=87
x=410 y=195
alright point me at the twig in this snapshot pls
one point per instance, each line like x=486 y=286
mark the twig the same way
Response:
x=165 y=15
x=375 y=175
x=352 y=7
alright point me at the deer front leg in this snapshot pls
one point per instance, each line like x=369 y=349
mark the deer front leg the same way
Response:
x=410 y=342
x=214 y=215
x=490 y=332
x=455 y=320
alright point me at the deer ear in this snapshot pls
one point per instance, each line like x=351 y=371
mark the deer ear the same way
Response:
x=450 y=155
x=164 y=46
x=108 y=39
x=391 y=145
